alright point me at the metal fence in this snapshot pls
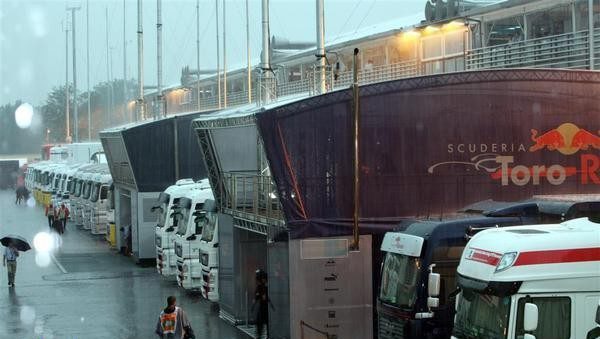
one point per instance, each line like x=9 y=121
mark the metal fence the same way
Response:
x=251 y=197
x=570 y=50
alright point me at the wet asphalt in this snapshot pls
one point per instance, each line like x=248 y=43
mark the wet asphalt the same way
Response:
x=88 y=290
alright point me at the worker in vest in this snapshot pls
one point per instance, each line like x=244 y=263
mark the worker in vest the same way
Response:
x=172 y=321
x=63 y=215
x=50 y=212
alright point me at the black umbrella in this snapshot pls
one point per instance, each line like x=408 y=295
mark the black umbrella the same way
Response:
x=19 y=242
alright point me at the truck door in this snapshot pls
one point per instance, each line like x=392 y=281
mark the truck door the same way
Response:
x=587 y=322
x=555 y=316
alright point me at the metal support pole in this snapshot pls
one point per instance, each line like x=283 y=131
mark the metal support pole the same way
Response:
x=356 y=109
x=125 y=62
x=108 y=77
x=224 y=57
x=87 y=43
x=591 y=33
x=160 y=112
x=75 y=112
x=266 y=74
x=321 y=46
x=218 y=56
x=67 y=99
x=249 y=75
x=140 y=114
x=198 y=51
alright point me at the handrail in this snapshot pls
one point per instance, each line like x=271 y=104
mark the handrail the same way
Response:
x=251 y=196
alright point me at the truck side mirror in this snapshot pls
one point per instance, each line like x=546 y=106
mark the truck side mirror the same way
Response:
x=433 y=284
x=530 y=319
x=598 y=315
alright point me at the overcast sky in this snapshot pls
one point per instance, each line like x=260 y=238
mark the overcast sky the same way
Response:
x=32 y=40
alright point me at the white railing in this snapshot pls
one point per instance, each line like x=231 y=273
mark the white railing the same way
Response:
x=252 y=197
x=570 y=50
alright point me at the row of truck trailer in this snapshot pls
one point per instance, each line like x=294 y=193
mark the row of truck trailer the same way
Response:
x=492 y=269
x=186 y=228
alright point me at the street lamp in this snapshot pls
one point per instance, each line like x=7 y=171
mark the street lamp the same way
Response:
x=47 y=135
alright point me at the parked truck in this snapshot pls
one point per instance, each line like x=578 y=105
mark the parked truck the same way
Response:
x=166 y=261
x=424 y=249
x=97 y=208
x=535 y=281
x=195 y=208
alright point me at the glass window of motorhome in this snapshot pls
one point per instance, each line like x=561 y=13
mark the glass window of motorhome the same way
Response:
x=554 y=317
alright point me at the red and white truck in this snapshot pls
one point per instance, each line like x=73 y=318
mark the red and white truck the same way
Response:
x=528 y=282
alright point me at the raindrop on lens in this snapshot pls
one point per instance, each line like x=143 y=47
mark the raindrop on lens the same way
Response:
x=43 y=242
x=27 y=315
x=42 y=259
x=31 y=202
x=24 y=115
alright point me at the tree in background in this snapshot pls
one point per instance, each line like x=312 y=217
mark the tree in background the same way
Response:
x=107 y=108
x=53 y=114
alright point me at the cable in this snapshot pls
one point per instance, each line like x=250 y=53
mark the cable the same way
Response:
x=366 y=15
x=348 y=20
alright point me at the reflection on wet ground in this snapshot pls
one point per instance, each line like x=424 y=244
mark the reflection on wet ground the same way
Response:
x=96 y=293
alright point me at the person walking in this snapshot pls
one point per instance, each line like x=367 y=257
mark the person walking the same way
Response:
x=173 y=322
x=63 y=216
x=261 y=297
x=9 y=260
x=50 y=213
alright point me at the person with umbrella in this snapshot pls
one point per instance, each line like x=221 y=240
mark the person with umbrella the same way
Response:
x=11 y=252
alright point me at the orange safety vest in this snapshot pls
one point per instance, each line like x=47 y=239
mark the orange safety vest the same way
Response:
x=168 y=321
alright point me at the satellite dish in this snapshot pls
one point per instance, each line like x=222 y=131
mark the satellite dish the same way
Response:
x=430 y=10
x=452 y=8
x=441 y=10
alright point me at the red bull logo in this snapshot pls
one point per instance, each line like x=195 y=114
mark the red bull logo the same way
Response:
x=566 y=138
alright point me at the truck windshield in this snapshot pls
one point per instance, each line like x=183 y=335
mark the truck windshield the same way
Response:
x=183 y=221
x=86 y=190
x=95 y=192
x=208 y=231
x=481 y=316
x=77 y=192
x=162 y=210
x=399 y=278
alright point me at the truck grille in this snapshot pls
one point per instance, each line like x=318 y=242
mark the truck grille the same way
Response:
x=391 y=328
x=178 y=250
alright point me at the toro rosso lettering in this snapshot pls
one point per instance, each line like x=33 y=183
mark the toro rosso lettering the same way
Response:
x=555 y=174
x=566 y=139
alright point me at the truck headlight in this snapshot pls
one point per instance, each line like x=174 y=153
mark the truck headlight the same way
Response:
x=507 y=260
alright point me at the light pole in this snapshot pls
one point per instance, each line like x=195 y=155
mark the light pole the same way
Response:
x=75 y=113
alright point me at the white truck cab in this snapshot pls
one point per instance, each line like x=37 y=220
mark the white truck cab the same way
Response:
x=209 y=253
x=166 y=261
x=530 y=282
x=98 y=206
x=187 y=243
